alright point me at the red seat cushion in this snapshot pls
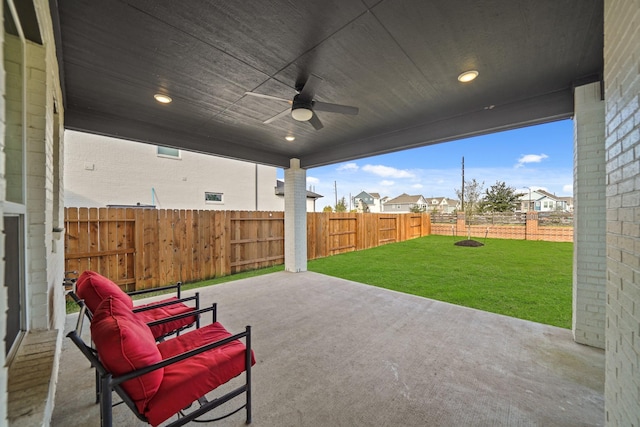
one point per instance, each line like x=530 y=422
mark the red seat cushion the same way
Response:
x=125 y=343
x=186 y=381
x=93 y=288
x=163 y=312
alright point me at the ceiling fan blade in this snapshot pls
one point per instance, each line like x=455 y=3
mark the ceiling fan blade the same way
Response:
x=260 y=95
x=334 y=108
x=315 y=122
x=309 y=88
x=277 y=116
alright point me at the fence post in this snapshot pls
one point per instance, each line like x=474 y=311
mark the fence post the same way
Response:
x=531 y=227
x=460 y=223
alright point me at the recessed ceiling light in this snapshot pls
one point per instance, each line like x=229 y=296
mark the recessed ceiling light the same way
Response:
x=467 y=76
x=163 y=99
x=290 y=138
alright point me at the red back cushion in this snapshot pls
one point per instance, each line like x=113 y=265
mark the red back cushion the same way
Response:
x=125 y=343
x=94 y=288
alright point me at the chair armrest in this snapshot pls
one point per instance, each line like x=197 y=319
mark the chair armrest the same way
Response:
x=213 y=309
x=159 y=304
x=81 y=304
x=177 y=287
x=180 y=357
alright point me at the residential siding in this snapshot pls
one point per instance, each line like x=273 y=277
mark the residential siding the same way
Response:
x=622 y=109
x=102 y=171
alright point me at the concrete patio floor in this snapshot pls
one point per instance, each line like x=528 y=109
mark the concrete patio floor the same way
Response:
x=331 y=352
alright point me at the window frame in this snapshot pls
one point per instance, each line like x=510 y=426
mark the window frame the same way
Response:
x=214 y=193
x=177 y=156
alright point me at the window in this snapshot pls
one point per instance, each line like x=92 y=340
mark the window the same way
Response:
x=213 y=197
x=172 y=153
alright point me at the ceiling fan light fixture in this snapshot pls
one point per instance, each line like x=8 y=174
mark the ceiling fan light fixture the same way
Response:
x=301 y=114
x=162 y=98
x=290 y=138
x=468 y=76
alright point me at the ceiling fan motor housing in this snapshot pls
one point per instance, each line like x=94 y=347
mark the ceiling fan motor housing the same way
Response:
x=301 y=109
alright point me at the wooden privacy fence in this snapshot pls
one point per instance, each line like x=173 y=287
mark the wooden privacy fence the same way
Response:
x=331 y=233
x=146 y=248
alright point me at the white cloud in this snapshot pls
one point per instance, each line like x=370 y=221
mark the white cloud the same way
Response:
x=387 y=171
x=349 y=167
x=567 y=189
x=386 y=183
x=417 y=186
x=530 y=158
x=312 y=180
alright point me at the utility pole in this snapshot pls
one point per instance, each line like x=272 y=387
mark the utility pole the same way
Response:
x=462 y=192
x=335 y=190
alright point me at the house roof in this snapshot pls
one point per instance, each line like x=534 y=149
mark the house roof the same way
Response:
x=547 y=194
x=439 y=200
x=405 y=199
x=372 y=195
x=396 y=60
x=280 y=191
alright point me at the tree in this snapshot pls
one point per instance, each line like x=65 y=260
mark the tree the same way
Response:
x=501 y=198
x=342 y=205
x=327 y=209
x=418 y=209
x=472 y=196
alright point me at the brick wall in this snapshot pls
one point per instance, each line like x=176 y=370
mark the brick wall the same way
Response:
x=38 y=227
x=295 y=218
x=622 y=144
x=3 y=289
x=589 y=251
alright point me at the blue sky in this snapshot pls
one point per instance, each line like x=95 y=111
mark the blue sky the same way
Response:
x=536 y=156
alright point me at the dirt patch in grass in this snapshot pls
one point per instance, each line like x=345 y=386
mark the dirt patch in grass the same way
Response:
x=469 y=243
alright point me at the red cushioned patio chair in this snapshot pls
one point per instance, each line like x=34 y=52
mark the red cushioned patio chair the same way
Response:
x=92 y=288
x=158 y=380
x=165 y=318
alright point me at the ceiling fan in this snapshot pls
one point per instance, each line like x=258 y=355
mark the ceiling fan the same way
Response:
x=303 y=107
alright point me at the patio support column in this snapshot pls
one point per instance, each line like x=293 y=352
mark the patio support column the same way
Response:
x=295 y=218
x=589 y=237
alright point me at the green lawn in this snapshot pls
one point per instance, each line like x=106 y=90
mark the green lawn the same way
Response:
x=526 y=279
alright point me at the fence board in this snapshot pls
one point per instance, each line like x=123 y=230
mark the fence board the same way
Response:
x=71 y=238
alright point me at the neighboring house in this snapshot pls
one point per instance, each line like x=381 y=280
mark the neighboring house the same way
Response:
x=311 y=196
x=101 y=171
x=543 y=201
x=369 y=202
x=567 y=203
x=442 y=205
x=404 y=203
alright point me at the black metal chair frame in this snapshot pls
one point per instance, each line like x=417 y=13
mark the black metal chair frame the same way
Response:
x=177 y=286
x=110 y=383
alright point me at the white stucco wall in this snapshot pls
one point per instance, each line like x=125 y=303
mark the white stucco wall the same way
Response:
x=102 y=171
